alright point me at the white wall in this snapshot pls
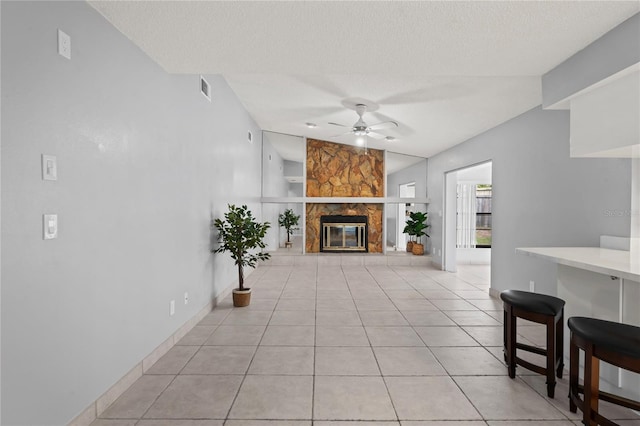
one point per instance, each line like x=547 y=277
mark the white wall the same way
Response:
x=541 y=197
x=145 y=162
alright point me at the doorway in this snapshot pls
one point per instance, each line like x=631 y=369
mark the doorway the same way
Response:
x=468 y=217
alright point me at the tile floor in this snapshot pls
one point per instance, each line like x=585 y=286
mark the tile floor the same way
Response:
x=349 y=345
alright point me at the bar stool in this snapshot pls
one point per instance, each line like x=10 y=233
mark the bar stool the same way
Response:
x=542 y=309
x=612 y=342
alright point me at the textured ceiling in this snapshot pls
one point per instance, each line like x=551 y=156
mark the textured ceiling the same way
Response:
x=445 y=71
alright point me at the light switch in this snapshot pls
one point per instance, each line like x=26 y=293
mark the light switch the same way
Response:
x=49 y=167
x=50 y=226
x=64 y=44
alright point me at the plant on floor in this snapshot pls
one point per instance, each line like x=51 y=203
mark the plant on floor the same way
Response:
x=239 y=233
x=289 y=221
x=418 y=225
x=409 y=229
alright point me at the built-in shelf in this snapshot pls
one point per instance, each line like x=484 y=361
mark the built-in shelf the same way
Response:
x=342 y=200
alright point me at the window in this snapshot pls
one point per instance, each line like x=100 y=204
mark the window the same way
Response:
x=483 y=216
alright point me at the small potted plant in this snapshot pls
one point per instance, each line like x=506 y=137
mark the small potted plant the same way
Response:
x=418 y=226
x=288 y=220
x=239 y=233
x=409 y=229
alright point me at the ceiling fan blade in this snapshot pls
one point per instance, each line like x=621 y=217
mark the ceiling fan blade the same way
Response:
x=376 y=135
x=341 y=125
x=384 y=125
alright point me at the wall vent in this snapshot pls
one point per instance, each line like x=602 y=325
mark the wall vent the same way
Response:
x=205 y=88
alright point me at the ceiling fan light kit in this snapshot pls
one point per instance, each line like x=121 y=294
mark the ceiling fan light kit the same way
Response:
x=361 y=129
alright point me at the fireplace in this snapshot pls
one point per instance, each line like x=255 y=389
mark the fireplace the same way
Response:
x=344 y=234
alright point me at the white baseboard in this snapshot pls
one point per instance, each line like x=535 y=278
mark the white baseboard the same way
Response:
x=494 y=293
x=97 y=407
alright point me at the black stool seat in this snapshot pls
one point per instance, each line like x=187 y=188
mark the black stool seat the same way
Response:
x=533 y=302
x=611 y=342
x=541 y=309
x=613 y=336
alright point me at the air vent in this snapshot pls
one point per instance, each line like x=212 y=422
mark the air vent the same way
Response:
x=205 y=88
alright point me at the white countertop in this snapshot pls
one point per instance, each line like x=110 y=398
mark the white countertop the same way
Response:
x=618 y=263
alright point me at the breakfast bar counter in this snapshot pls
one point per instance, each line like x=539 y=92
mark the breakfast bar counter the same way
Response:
x=598 y=283
x=616 y=263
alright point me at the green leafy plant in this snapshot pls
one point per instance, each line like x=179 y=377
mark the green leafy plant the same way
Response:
x=239 y=233
x=418 y=224
x=288 y=220
x=409 y=229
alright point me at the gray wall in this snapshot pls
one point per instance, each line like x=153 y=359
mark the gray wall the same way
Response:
x=614 y=51
x=415 y=173
x=541 y=197
x=293 y=168
x=145 y=162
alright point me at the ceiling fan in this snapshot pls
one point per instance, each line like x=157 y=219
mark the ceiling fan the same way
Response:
x=360 y=128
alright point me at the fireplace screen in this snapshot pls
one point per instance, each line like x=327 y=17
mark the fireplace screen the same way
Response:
x=343 y=233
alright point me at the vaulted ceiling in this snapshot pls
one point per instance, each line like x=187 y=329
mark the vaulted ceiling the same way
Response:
x=444 y=71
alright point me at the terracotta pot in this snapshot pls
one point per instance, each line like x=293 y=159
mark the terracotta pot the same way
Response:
x=418 y=249
x=241 y=297
x=409 y=246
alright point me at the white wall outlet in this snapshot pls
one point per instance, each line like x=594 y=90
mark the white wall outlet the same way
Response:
x=532 y=286
x=49 y=226
x=49 y=167
x=64 y=44
x=186 y=298
x=172 y=307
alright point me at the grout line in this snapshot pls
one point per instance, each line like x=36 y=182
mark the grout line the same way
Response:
x=246 y=372
x=386 y=385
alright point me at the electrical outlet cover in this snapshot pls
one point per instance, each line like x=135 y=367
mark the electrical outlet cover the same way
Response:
x=64 y=44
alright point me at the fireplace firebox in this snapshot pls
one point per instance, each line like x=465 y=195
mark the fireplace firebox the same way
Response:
x=344 y=234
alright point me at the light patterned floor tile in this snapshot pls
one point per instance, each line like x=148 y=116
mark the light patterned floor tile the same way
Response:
x=274 y=397
x=351 y=398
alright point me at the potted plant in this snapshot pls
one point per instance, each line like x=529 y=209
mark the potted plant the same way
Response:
x=409 y=229
x=288 y=220
x=418 y=226
x=239 y=233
